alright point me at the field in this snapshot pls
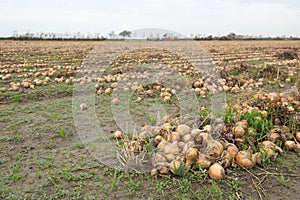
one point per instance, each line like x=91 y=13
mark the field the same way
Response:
x=44 y=157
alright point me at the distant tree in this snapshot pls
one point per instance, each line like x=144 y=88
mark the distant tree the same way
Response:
x=112 y=35
x=125 y=33
x=15 y=33
x=231 y=36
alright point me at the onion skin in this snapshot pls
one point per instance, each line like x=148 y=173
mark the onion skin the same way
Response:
x=216 y=171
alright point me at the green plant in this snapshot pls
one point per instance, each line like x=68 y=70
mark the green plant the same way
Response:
x=17 y=98
x=180 y=170
x=283 y=180
x=62 y=132
x=150 y=147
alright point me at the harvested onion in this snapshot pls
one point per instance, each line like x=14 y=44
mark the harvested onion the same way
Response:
x=289 y=145
x=216 y=171
x=245 y=159
x=297 y=135
x=238 y=131
x=183 y=129
x=118 y=134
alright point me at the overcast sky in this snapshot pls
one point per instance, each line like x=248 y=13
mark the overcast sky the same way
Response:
x=217 y=17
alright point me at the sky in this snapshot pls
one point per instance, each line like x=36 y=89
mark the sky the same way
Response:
x=199 y=17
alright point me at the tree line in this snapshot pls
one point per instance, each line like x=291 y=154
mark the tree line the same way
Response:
x=125 y=34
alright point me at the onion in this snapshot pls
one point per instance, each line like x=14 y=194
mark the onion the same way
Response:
x=164 y=170
x=229 y=154
x=289 y=145
x=187 y=138
x=297 y=135
x=118 y=134
x=208 y=128
x=191 y=154
x=203 y=161
x=238 y=131
x=196 y=132
x=183 y=129
x=243 y=124
x=273 y=136
x=270 y=148
x=244 y=159
x=157 y=139
x=158 y=160
x=166 y=127
x=214 y=149
x=163 y=143
x=216 y=171
x=297 y=148
x=172 y=148
x=174 y=136
x=167 y=98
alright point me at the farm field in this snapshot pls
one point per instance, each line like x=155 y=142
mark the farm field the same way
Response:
x=43 y=157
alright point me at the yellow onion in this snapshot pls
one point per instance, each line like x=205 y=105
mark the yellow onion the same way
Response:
x=158 y=160
x=195 y=132
x=170 y=157
x=289 y=145
x=297 y=148
x=174 y=136
x=164 y=170
x=171 y=148
x=238 y=131
x=118 y=134
x=273 y=136
x=163 y=143
x=243 y=124
x=203 y=161
x=245 y=159
x=183 y=129
x=231 y=149
x=166 y=127
x=229 y=154
x=216 y=171
x=157 y=139
x=208 y=128
x=257 y=158
x=269 y=148
x=187 y=138
x=214 y=149
x=181 y=144
x=189 y=144
x=167 y=98
x=191 y=154
x=297 y=135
